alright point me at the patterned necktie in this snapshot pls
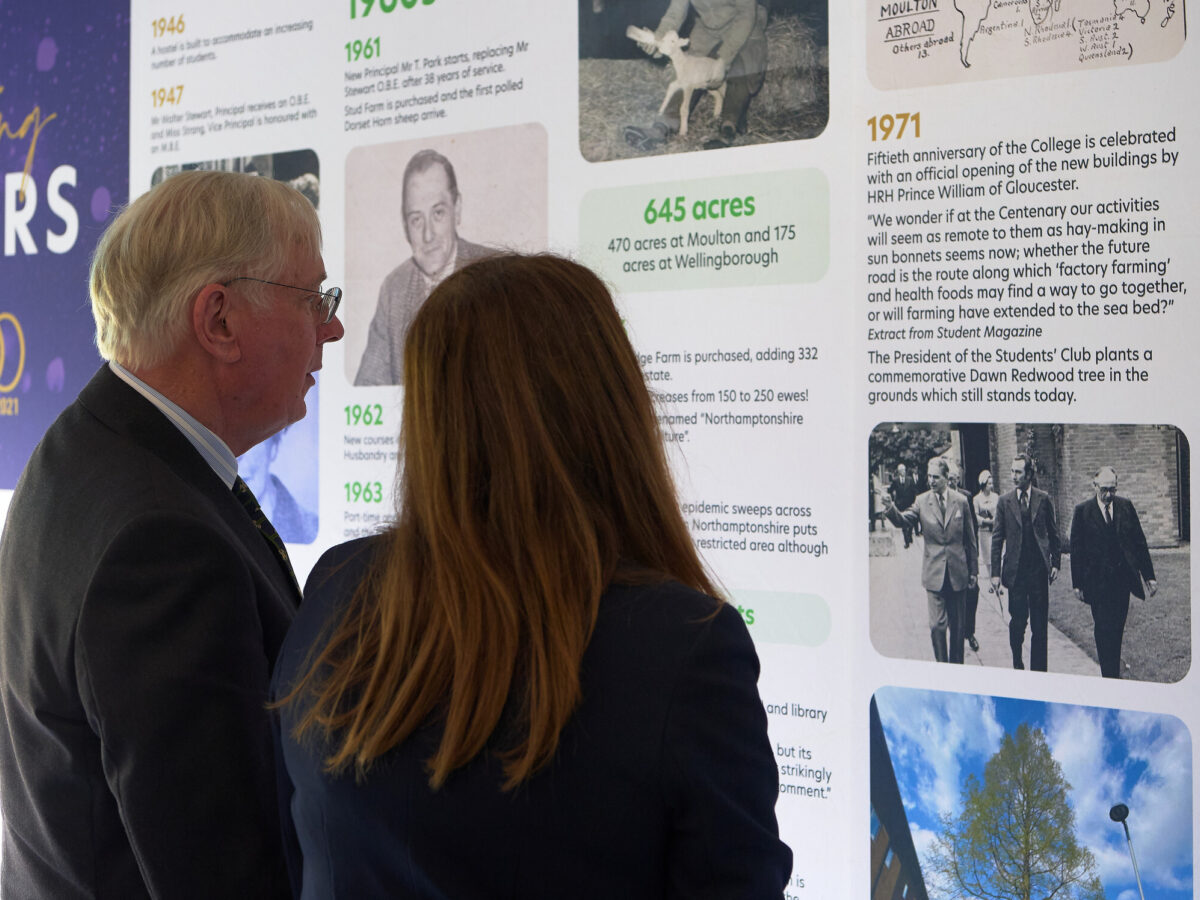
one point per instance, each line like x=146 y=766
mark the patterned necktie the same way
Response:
x=942 y=507
x=246 y=497
x=1107 y=513
x=1025 y=500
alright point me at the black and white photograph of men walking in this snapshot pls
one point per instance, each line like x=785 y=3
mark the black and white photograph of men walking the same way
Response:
x=1082 y=538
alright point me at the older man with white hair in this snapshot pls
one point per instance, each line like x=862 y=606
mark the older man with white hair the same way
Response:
x=1109 y=560
x=143 y=595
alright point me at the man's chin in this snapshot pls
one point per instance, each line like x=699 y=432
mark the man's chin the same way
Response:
x=297 y=412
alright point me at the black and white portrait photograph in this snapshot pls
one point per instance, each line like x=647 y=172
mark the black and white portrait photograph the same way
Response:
x=672 y=76
x=418 y=210
x=1044 y=547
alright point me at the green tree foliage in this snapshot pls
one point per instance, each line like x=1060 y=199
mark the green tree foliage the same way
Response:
x=1015 y=837
x=912 y=446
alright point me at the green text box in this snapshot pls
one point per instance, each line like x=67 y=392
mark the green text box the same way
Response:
x=732 y=231
x=782 y=617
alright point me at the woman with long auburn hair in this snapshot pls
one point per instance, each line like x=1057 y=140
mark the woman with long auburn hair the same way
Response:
x=526 y=686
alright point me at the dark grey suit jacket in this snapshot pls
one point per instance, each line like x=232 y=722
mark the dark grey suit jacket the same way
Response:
x=140 y=613
x=1006 y=534
x=1091 y=568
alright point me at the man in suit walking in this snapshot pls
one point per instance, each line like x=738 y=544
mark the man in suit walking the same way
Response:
x=903 y=491
x=950 y=565
x=1025 y=535
x=1109 y=560
x=432 y=209
x=143 y=595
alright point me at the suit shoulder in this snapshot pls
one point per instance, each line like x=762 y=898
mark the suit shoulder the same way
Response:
x=659 y=632
x=342 y=566
x=397 y=280
x=329 y=586
x=663 y=615
x=82 y=462
x=1047 y=502
x=666 y=595
x=468 y=251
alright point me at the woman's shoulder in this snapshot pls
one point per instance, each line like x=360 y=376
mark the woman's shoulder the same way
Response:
x=667 y=614
x=340 y=566
x=667 y=593
x=329 y=586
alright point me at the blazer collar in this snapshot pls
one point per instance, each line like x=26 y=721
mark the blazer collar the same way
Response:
x=127 y=412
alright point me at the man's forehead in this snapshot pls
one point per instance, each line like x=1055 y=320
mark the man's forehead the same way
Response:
x=305 y=268
x=1106 y=480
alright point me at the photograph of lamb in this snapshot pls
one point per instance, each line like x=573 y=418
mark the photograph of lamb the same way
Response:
x=673 y=76
x=1049 y=547
x=976 y=796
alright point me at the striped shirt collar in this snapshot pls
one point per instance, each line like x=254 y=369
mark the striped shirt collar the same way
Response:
x=214 y=450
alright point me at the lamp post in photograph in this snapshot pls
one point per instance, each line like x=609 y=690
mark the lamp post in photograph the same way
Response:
x=1120 y=813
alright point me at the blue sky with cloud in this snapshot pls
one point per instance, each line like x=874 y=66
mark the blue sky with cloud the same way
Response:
x=936 y=739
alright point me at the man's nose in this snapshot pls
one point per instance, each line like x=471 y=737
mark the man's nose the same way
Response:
x=333 y=330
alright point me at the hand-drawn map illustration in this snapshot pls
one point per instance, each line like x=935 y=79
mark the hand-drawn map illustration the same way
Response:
x=911 y=43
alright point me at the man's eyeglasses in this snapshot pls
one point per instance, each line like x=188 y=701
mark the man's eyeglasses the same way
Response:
x=327 y=301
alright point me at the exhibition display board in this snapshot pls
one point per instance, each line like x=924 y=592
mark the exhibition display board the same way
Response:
x=917 y=230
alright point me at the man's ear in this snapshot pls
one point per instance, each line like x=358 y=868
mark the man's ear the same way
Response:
x=214 y=333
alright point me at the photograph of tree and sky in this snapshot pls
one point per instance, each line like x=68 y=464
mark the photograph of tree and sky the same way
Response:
x=1010 y=798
